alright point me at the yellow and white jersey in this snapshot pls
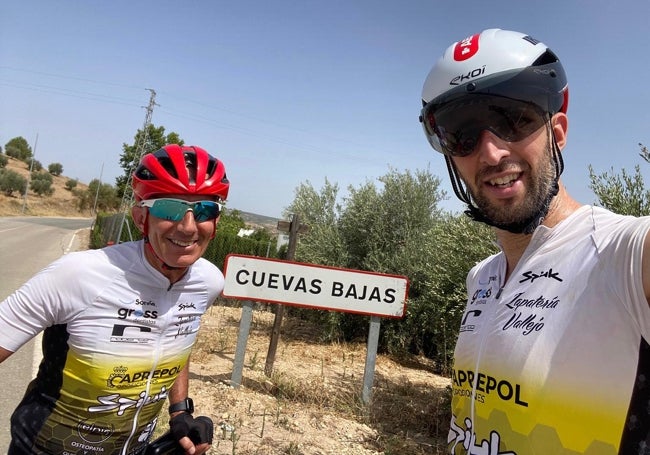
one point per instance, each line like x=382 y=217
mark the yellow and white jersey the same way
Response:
x=556 y=360
x=116 y=335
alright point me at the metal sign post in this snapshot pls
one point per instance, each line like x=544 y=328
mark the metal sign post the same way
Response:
x=242 y=340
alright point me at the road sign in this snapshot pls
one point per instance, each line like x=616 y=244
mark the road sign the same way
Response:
x=315 y=286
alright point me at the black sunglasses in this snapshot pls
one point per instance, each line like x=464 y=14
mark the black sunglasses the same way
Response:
x=454 y=128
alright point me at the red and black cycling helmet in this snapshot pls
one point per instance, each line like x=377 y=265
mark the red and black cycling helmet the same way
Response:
x=176 y=169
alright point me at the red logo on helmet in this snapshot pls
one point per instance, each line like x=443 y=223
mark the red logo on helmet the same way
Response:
x=466 y=48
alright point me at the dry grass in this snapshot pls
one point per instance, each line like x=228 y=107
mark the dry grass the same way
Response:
x=311 y=403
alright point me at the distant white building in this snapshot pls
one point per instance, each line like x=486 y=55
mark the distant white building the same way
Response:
x=245 y=232
x=283 y=239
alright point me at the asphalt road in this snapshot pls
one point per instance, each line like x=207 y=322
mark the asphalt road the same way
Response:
x=27 y=244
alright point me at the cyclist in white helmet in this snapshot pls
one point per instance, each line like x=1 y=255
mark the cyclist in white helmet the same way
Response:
x=119 y=323
x=552 y=355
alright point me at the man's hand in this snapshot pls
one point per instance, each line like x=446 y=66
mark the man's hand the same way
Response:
x=193 y=435
x=191 y=449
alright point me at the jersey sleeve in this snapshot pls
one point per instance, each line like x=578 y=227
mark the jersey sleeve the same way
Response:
x=624 y=253
x=44 y=300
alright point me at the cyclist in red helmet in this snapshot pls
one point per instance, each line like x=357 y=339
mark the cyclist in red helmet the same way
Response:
x=553 y=352
x=119 y=323
x=161 y=183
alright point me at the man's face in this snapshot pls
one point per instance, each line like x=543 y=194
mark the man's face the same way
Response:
x=177 y=243
x=509 y=181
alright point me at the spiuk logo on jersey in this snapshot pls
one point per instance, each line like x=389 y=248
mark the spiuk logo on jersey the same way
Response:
x=466 y=437
x=532 y=276
x=120 y=404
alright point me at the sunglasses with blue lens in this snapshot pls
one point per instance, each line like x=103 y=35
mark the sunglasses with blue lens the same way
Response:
x=175 y=209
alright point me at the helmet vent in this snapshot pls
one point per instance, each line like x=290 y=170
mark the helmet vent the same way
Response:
x=167 y=164
x=212 y=166
x=190 y=165
x=546 y=58
x=144 y=174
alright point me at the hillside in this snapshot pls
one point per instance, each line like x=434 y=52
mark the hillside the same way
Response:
x=255 y=220
x=61 y=203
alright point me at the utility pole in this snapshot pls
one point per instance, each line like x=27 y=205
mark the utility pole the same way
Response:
x=141 y=147
x=99 y=184
x=29 y=176
x=294 y=228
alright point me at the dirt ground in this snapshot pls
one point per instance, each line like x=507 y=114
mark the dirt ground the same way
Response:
x=311 y=403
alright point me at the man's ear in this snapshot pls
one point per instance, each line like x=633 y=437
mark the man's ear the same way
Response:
x=139 y=215
x=214 y=228
x=560 y=124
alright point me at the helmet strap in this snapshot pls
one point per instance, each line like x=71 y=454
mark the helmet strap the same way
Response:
x=526 y=226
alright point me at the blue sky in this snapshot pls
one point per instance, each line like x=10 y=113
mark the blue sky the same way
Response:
x=291 y=91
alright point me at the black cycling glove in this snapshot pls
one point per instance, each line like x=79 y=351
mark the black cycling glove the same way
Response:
x=200 y=430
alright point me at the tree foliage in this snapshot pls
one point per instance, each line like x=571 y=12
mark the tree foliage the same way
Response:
x=145 y=141
x=19 y=148
x=102 y=197
x=71 y=184
x=622 y=193
x=320 y=211
x=12 y=181
x=35 y=165
x=3 y=161
x=394 y=227
x=437 y=267
x=55 y=169
x=41 y=183
x=230 y=222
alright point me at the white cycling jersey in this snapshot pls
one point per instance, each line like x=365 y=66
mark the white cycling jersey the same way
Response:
x=556 y=360
x=116 y=335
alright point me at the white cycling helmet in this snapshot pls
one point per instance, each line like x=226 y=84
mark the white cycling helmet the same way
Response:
x=496 y=63
x=497 y=80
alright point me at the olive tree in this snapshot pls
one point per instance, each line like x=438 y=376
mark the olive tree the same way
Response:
x=41 y=183
x=622 y=193
x=395 y=226
x=11 y=181
x=19 y=148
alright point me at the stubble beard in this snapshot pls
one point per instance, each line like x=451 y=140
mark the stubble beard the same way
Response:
x=539 y=186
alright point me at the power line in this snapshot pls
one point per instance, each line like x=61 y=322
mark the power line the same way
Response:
x=68 y=92
x=279 y=139
x=62 y=76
